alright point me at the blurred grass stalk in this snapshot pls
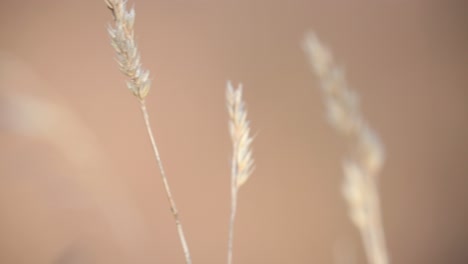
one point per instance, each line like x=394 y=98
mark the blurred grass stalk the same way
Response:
x=362 y=166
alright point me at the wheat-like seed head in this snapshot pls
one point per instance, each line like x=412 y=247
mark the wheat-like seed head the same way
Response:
x=242 y=161
x=123 y=41
x=362 y=167
x=343 y=107
x=239 y=129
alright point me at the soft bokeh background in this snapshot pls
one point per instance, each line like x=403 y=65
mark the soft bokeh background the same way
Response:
x=78 y=183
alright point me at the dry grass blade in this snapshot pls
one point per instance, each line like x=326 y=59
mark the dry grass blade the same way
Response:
x=128 y=58
x=242 y=160
x=362 y=167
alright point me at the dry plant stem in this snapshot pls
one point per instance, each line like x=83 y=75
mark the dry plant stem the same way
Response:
x=242 y=161
x=172 y=203
x=362 y=167
x=123 y=41
x=232 y=219
x=373 y=237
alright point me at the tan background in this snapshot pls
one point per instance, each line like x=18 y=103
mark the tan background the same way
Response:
x=78 y=183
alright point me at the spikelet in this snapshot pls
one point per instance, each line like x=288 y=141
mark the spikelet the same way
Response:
x=123 y=42
x=242 y=161
x=366 y=160
x=239 y=129
x=128 y=58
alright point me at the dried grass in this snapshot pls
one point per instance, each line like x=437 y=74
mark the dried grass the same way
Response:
x=123 y=41
x=242 y=160
x=128 y=58
x=363 y=165
x=361 y=168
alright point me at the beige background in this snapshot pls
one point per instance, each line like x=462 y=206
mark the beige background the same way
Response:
x=78 y=183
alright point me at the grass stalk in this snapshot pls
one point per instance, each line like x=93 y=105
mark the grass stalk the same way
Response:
x=167 y=188
x=232 y=219
x=128 y=58
x=366 y=159
x=242 y=160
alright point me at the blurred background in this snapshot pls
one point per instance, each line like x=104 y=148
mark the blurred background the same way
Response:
x=78 y=183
